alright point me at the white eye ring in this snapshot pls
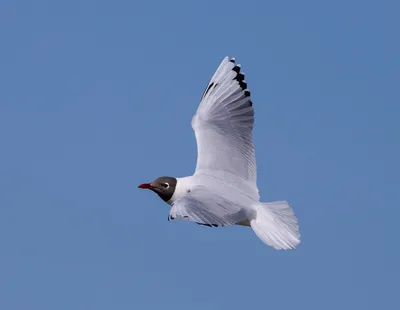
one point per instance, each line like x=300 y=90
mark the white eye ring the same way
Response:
x=166 y=185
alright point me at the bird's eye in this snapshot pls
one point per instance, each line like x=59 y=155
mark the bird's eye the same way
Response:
x=166 y=185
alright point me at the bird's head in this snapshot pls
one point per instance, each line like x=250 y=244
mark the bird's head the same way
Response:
x=162 y=186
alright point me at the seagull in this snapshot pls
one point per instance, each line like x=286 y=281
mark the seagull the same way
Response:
x=223 y=190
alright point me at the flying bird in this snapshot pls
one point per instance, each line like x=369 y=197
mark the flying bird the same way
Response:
x=223 y=190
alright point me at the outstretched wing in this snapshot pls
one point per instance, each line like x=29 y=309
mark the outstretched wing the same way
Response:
x=206 y=208
x=223 y=126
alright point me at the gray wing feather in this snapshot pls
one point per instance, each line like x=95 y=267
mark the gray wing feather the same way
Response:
x=204 y=207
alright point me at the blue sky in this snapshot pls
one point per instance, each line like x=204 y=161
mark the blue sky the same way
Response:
x=97 y=97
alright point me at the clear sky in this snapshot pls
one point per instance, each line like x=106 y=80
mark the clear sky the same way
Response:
x=97 y=97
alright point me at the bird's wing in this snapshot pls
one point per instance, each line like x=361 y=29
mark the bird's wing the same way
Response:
x=207 y=208
x=223 y=126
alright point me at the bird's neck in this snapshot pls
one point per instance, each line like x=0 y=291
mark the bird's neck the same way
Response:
x=183 y=187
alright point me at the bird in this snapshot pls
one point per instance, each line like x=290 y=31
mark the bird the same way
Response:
x=223 y=189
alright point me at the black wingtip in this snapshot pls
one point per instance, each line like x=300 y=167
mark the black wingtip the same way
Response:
x=236 y=69
x=208 y=225
x=208 y=88
x=233 y=60
x=240 y=77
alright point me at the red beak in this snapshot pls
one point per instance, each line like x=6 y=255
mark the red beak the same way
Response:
x=145 y=186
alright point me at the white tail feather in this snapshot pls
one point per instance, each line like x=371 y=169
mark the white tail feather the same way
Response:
x=276 y=225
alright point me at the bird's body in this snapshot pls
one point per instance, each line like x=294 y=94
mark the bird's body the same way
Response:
x=223 y=190
x=231 y=192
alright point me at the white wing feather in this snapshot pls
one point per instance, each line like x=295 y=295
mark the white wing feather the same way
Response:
x=223 y=127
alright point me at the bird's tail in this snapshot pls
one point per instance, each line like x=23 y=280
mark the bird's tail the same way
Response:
x=276 y=225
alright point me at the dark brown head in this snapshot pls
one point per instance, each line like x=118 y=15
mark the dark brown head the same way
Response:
x=163 y=187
